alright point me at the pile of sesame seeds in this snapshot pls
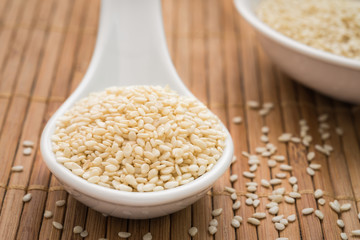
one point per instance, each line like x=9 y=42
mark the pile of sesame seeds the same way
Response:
x=328 y=25
x=139 y=138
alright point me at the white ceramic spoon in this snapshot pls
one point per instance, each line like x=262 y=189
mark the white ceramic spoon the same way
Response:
x=130 y=50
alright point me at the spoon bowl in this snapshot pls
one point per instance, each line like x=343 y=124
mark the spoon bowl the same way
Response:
x=130 y=50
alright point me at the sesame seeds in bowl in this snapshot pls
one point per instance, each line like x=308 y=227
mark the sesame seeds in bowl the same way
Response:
x=330 y=73
x=129 y=144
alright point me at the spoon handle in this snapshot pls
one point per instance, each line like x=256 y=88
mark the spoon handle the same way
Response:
x=131 y=40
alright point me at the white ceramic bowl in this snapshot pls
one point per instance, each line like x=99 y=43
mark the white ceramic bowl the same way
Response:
x=330 y=74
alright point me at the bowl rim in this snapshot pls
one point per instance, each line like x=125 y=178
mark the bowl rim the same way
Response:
x=249 y=15
x=141 y=199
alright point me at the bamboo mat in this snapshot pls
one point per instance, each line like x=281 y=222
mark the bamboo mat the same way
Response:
x=45 y=48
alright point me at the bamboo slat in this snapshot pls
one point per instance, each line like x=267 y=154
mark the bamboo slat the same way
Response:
x=45 y=49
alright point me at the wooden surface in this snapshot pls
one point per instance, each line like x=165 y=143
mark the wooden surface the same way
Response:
x=45 y=48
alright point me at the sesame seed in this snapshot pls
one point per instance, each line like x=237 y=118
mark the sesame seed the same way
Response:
x=60 y=203
x=319 y=214
x=294 y=194
x=233 y=178
x=292 y=180
x=253 y=221
x=274 y=210
x=28 y=143
x=193 y=231
x=236 y=205
x=285 y=137
x=213 y=222
x=268 y=105
x=27 y=151
x=284 y=221
x=343 y=236
x=310 y=171
x=253 y=104
x=230 y=189
x=124 y=234
x=248 y=201
x=239 y=218
x=315 y=166
x=281 y=175
x=285 y=167
x=57 y=225
x=318 y=193
x=212 y=230
x=271 y=163
x=340 y=223
x=235 y=223
x=295 y=140
x=279 y=226
x=251 y=189
x=323 y=117
x=345 y=207
x=339 y=131
x=259 y=215
x=335 y=206
x=78 y=229
x=48 y=214
x=237 y=120
x=248 y=174
x=256 y=203
x=355 y=233
x=277 y=218
x=289 y=200
x=322 y=201
x=307 y=211
x=265 y=129
x=282 y=238
x=275 y=181
x=291 y=218
x=18 y=168
x=216 y=212
x=279 y=158
x=271 y=204
x=264 y=138
x=253 y=168
x=279 y=191
x=27 y=197
x=233 y=196
x=147 y=236
x=310 y=156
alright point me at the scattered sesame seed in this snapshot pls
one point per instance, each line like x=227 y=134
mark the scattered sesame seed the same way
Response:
x=17 y=168
x=235 y=223
x=345 y=207
x=253 y=221
x=78 y=229
x=340 y=223
x=249 y=201
x=213 y=222
x=84 y=234
x=319 y=214
x=281 y=175
x=193 y=231
x=325 y=136
x=279 y=191
x=291 y=218
x=265 y=129
x=48 y=214
x=233 y=178
x=124 y=234
x=294 y=194
x=289 y=200
x=318 y=193
x=271 y=204
x=57 y=225
x=256 y=203
x=216 y=212
x=292 y=180
x=248 y=174
x=271 y=163
x=344 y=236
x=275 y=181
x=251 y=189
x=339 y=131
x=230 y=189
x=279 y=158
x=147 y=236
x=237 y=120
x=264 y=138
x=322 y=201
x=279 y=226
x=233 y=159
x=60 y=203
x=335 y=206
x=307 y=211
x=28 y=143
x=285 y=137
x=277 y=218
x=259 y=215
x=356 y=233
x=212 y=230
x=27 y=197
x=315 y=166
x=27 y=151
x=239 y=218
x=268 y=105
x=310 y=171
x=253 y=104
x=284 y=221
x=285 y=167
x=323 y=117
x=295 y=140
x=236 y=205
x=274 y=210
x=282 y=238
